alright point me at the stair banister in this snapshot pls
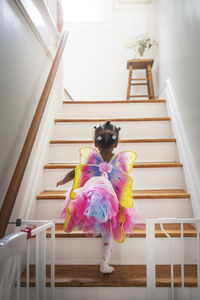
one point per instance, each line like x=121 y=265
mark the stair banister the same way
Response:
x=17 y=177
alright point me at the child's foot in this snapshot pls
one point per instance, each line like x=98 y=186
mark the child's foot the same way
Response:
x=106 y=269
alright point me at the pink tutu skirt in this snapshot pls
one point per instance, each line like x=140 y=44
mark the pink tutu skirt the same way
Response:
x=95 y=207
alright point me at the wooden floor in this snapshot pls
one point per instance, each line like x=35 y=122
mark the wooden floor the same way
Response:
x=124 y=276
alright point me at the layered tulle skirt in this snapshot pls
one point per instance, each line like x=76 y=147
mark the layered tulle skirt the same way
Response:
x=96 y=210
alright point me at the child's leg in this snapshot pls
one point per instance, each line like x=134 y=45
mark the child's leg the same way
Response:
x=106 y=249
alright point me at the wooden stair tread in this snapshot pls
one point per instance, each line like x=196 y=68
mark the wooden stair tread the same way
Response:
x=115 y=101
x=139 y=79
x=124 y=276
x=136 y=165
x=143 y=83
x=172 y=229
x=120 y=142
x=140 y=96
x=153 y=194
x=114 y=120
x=137 y=194
x=53 y=194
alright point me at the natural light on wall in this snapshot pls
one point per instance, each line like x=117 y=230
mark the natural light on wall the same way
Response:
x=77 y=11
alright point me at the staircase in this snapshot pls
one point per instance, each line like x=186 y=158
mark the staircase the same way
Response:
x=159 y=191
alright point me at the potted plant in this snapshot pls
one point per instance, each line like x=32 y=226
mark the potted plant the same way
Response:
x=140 y=44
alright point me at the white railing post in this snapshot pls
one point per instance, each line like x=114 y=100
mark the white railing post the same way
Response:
x=18 y=276
x=150 y=269
x=171 y=260
x=40 y=265
x=28 y=271
x=182 y=262
x=44 y=263
x=198 y=260
x=37 y=267
x=53 y=262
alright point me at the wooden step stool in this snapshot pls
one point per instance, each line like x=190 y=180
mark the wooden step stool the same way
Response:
x=139 y=64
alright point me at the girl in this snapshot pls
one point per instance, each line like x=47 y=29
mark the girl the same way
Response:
x=101 y=199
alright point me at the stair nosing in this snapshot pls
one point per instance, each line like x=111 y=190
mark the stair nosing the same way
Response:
x=137 y=194
x=65 y=120
x=116 y=101
x=136 y=165
x=124 y=141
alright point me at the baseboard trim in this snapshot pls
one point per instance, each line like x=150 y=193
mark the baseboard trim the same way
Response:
x=190 y=171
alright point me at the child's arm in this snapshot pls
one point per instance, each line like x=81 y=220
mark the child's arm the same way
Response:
x=67 y=178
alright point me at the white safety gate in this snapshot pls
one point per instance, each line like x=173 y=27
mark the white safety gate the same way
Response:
x=151 y=250
x=13 y=246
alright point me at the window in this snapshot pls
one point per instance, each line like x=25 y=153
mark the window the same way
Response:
x=83 y=11
x=128 y=4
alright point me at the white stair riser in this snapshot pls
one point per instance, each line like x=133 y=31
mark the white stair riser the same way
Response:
x=137 y=129
x=146 y=152
x=148 y=208
x=132 y=251
x=144 y=178
x=116 y=110
x=111 y=293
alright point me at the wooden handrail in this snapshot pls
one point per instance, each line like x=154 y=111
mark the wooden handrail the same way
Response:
x=16 y=180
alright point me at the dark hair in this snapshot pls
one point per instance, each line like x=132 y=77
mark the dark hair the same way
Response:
x=106 y=135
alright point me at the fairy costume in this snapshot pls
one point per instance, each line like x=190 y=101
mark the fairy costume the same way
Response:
x=101 y=198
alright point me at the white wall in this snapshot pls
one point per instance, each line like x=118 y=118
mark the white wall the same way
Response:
x=179 y=39
x=96 y=57
x=24 y=69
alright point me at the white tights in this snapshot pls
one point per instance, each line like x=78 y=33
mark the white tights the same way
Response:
x=106 y=249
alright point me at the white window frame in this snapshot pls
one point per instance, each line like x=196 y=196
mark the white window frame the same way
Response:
x=128 y=4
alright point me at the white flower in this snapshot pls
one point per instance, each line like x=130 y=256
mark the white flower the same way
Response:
x=141 y=43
